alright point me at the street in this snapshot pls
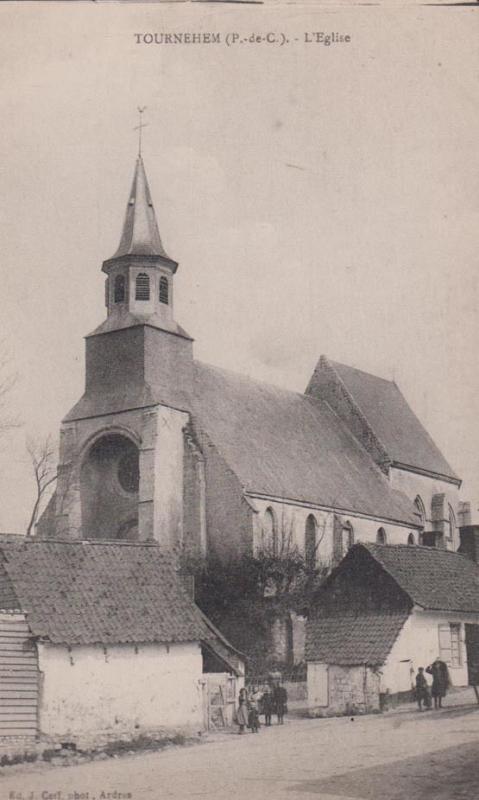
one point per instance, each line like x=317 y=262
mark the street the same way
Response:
x=398 y=756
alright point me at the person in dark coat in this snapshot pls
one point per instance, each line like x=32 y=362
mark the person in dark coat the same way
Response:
x=267 y=706
x=422 y=690
x=440 y=681
x=280 y=700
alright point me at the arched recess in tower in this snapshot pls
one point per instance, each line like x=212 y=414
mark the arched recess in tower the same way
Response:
x=109 y=489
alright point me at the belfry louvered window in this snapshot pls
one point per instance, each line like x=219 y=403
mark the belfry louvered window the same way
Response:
x=164 y=290
x=142 y=287
x=119 y=292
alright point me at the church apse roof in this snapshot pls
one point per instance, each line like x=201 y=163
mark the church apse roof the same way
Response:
x=284 y=444
x=390 y=417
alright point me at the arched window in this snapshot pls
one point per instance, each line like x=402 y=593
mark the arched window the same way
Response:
x=119 y=290
x=348 y=536
x=164 y=290
x=142 y=287
x=421 y=510
x=310 y=542
x=381 y=536
x=452 y=523
x=270 y=536
x=109 y=488
x=411 y=539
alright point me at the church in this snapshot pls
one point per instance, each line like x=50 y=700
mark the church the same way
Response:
x=163 y=448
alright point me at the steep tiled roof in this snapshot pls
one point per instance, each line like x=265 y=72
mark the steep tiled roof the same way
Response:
x=433 y=578
x=353 y=639
x=342 y=630
x=403 y=436
x=92 y=592
x=286 y=444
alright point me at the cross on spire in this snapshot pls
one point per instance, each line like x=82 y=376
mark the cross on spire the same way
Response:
x=140 y=127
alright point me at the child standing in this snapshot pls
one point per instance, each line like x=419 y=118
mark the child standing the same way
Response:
x=422 y=690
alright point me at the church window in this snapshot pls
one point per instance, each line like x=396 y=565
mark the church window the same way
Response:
x=107 y=291
x=381 y=536
x=451 y=523
x=421 y=510
x=310 y=542
x=164 y=290
x=347 y=537
x=269 y=535
x=142 y=288
x=411 y=539
x=119 y=290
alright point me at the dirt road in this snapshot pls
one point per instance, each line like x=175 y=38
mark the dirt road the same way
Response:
x=406 y=756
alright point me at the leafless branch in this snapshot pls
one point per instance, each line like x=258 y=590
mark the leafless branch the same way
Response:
x=43 y=460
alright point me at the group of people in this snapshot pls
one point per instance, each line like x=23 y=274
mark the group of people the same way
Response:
x=440 y=684
x=271 y=700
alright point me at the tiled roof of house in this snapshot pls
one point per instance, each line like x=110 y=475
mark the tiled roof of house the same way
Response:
x=98 y=592
x=353 y=639
x=286 y=444
x=433 y=578
x=398 y=429
x=342 y=628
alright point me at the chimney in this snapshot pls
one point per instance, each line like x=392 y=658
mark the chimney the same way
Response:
x=469 y=535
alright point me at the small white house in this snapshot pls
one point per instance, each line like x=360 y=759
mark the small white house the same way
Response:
x=101 y=640
x=385 y=611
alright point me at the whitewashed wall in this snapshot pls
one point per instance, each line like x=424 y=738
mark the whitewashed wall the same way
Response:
x=292 y=518
x=418 y=645
x=90 y=691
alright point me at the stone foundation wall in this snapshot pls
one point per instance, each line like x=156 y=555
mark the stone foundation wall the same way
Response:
x=353 y=689
x=348 y=690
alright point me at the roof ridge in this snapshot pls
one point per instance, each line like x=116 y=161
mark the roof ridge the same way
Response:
x=95 y=542
x=364 y=372
x=423 y=547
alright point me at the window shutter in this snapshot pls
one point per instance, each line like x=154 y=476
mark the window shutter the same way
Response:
x=444 y=632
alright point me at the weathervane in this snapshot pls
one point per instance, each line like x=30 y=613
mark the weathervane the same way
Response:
x=140 y=127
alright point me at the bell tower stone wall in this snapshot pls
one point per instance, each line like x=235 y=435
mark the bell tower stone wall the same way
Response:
x=122 y=447
x=158 y=432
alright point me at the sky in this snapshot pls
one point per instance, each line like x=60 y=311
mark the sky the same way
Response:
x=319 y=199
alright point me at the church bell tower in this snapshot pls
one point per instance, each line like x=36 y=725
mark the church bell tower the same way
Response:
x=121 y=449
x=140 y=273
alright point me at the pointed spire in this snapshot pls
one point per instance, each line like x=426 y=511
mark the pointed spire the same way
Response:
x=140 y=235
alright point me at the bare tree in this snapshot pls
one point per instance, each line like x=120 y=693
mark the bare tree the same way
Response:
x=42 y=454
